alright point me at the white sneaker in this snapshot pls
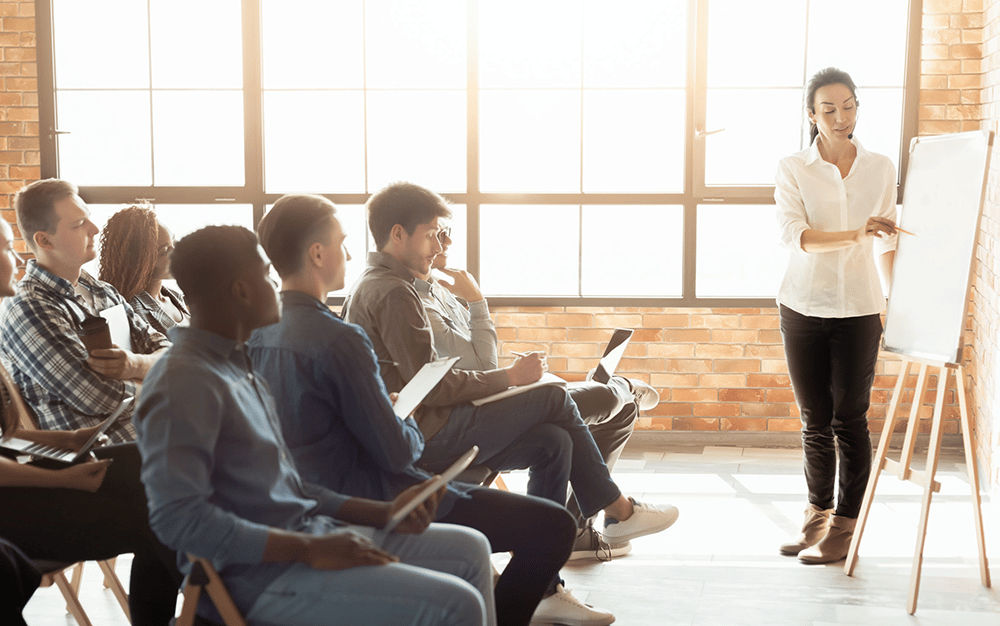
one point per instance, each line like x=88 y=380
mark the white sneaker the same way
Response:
x=646 y=519
x=562 y=608
x=590 y=545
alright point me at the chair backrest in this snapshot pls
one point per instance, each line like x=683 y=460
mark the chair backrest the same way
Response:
x=204 y=576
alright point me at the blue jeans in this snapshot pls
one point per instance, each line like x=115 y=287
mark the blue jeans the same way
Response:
x=540 y=430
x=429 y=586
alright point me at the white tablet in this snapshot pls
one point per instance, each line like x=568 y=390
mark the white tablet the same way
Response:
x=431 y=487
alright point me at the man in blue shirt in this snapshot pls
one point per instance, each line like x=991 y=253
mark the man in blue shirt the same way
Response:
x=222 y=483
x=339 y=422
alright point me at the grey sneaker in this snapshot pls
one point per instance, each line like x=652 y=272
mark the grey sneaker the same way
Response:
x=590 y=545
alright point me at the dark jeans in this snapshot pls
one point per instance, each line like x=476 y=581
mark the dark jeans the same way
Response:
x=538 y=532
x=539 y=430
x=831 y=362
x=18 y=580
x=74 y=525
x=609 y=411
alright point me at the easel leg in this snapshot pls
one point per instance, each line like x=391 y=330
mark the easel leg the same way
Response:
x=970 y=466
x=877 y=466
x=933 y=454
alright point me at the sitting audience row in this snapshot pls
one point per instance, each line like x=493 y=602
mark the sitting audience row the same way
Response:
x=283 y=494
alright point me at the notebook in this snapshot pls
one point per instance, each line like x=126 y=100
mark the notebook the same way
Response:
x=24 y=446
x=612 y=355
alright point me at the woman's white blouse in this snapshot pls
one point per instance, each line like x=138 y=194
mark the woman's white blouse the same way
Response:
x=810 y=194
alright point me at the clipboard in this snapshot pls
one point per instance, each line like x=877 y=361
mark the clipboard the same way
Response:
x=411 y=395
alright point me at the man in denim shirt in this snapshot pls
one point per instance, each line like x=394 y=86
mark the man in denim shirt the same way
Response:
x=222 y=483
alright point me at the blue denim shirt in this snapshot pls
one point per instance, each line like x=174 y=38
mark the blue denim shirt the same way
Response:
x=335 y=412
x=217 y=472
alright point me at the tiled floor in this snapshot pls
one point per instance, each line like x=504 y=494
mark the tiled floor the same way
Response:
x=719 y=566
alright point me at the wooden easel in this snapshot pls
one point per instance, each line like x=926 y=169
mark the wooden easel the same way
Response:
x=923 y=478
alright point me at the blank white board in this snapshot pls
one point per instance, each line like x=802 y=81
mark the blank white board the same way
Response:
x=942 y=203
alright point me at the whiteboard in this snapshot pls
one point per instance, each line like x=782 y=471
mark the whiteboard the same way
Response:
x=942 y=202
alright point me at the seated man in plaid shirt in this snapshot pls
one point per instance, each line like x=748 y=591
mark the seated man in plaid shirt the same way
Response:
x=67 y=387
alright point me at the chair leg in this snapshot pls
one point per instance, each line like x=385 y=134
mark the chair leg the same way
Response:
x=112 y=582
x=74 y=583
x=192 y=593
x=73 y=605
x=107 y=582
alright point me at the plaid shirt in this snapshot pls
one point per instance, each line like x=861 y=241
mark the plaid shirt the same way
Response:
x=48 y=361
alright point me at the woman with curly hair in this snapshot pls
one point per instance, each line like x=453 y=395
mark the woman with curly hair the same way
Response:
x=135 y=254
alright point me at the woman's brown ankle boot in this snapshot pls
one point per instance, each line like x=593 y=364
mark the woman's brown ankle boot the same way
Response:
x=813 y=530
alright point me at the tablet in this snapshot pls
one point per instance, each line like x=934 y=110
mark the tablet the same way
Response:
x=431 y=487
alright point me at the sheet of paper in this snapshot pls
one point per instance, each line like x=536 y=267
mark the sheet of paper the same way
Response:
x=121 y=334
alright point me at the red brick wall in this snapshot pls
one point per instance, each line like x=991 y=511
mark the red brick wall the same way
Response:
x=19 y=155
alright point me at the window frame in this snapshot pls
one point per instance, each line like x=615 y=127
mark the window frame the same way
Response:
x=695 y=191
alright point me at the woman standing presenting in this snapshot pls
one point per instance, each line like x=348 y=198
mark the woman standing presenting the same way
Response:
x=836 y=210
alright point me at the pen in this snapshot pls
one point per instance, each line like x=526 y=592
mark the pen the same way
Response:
x=388 y=362
x=522 y=353
x=906 y=232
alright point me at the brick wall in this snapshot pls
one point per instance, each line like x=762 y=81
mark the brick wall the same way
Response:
x=986 y=294
x=716 y=369
x=19 y=155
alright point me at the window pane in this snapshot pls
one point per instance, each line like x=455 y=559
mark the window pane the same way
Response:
x=196 y=43
x=314 y=142
x=877 y=53
x=354 y=222
x=760 y=43
x=415 y=44
x=100 y=44
x=198 y=138
x=530 y=250
x=181 y=219
x=762 y=126
x=633 y=141
x=641 y=43
x=109 y=137
x=322 y=51
x=739 y=254
x=632 y=250
x=529 y=141
x=184 y=219
x=880 y=125
x=526 y=43
x=418 y=136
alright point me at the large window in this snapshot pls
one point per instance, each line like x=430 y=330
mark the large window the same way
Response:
x=596 y=152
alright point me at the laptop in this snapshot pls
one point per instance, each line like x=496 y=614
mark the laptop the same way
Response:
x=612 y=355
x=51 y=453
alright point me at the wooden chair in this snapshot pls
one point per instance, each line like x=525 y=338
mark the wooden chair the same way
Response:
x=204 y=577
x=54 y=573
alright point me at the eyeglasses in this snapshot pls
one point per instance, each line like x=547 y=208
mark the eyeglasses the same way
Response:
x=444 y=233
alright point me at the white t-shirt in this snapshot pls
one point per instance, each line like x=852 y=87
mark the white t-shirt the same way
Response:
x=811 y=195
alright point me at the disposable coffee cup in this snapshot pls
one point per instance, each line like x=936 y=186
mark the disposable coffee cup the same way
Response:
x=95 y=334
